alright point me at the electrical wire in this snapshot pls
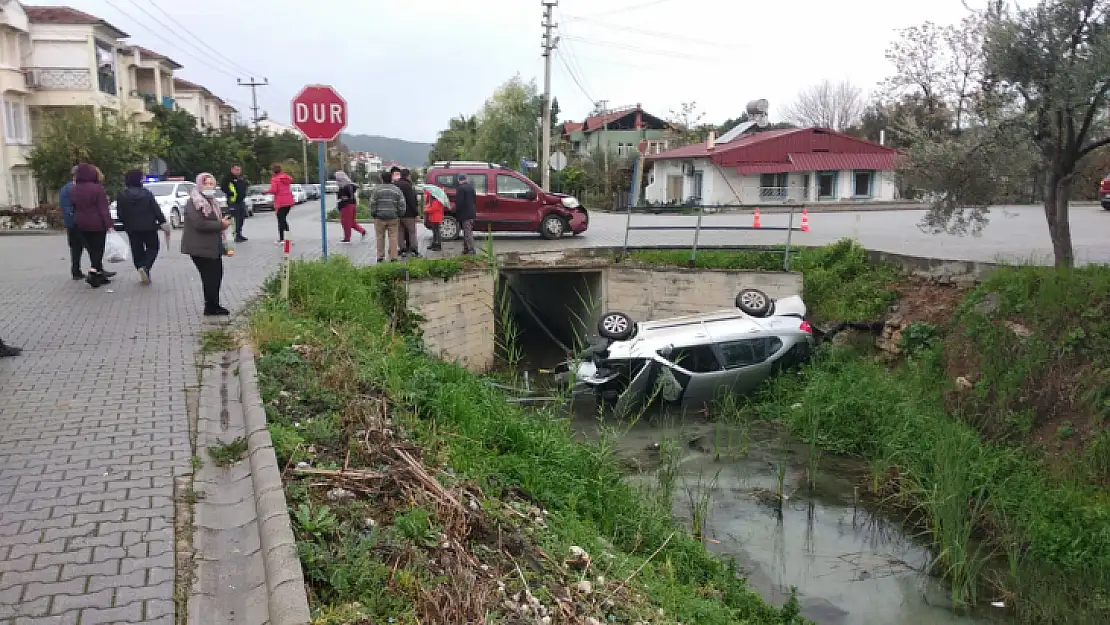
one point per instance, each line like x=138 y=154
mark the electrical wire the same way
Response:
x=173 y=45
x=650 y=33
x=171 y=29
x=199 y=40
x=575 y=79
x=620 y=46
x=642 y=5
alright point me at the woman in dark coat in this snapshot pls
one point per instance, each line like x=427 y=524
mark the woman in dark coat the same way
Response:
x=93 y=221
x=142 y=218
x=203 y=241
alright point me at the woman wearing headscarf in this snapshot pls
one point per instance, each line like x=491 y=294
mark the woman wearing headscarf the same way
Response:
x=93 y=221
x=203 y=240
x=348 y=206
x=142 y=218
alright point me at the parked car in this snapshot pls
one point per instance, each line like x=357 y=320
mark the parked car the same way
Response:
x=507 y=201
x=312 y=191
x=1104 y=192
x=171 y=197
x=259 y=198
x=221 y=199
x=332 y=187
x=299 y=195
x=693 y=358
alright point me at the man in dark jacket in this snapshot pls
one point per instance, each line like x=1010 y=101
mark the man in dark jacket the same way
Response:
x=235 y=188
x=387 y=204
x=142 y=218
x=76 y=246
x=410 y=246
x=466 y=210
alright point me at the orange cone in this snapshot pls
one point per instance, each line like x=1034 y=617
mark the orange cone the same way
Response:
x=805 y=220
x=755 y=224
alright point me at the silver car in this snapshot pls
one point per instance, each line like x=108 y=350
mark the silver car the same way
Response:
x=693 y=359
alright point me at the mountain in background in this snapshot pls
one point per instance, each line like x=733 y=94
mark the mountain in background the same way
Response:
x=408 y=153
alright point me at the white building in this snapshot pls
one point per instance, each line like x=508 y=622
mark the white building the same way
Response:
x=371 y=161
x=793 y=165
x=210 y=111
x=272 y=128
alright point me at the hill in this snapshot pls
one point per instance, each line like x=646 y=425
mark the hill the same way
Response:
x=408 y=153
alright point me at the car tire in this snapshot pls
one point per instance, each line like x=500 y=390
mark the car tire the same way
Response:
x=753 y=302
x=449 y=230
x=175 y=218
x=615 y=326
x=553 y=227
x=1106 y=206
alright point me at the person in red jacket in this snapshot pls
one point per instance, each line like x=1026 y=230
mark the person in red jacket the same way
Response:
x=283 y=199
x=433 y=214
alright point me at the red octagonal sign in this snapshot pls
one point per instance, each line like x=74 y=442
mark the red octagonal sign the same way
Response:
x=319 y=112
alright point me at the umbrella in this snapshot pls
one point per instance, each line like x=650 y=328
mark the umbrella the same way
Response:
x=438 y=194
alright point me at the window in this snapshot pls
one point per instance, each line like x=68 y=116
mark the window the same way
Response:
x=747 y=352
x=16 y=123
x=695 y=185
x=696 y=359
x=657 y=147
x=22 y=189
x=106 y=68
x=479 y=182
x=512 y=187
x=861 y=183
x=826 y=185
x=9 y=50
x=447 y=181
x=160 y=189
x=772 y=186
x=624 y=149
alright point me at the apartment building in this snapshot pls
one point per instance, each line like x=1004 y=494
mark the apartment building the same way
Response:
x=209 y=109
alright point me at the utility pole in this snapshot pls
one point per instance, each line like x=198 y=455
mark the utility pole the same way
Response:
x=549 y=43
x=254 y=85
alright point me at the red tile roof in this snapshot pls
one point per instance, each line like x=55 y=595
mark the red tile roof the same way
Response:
x=181 y=83
x=597 y=121
x=67 y=15
x=161 y=57
x=824 y=161
x=700 y=150
x=569 y=127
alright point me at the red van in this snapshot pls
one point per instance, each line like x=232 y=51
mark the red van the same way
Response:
x=1104 y=193
x=507 y=201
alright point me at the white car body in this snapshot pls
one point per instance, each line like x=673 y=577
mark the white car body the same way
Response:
x=300 y=196
x=332 y=187
x=171 y=196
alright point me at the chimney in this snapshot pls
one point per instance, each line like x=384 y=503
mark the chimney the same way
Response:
x=882 y=137
x=711 y=141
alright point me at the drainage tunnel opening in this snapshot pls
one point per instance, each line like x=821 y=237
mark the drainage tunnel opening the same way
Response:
x=543 y=315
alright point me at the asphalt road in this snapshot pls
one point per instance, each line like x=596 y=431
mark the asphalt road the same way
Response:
x=1017 y=234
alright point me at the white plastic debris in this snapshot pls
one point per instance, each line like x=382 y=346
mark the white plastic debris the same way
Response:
x=998 y=604
x=339 y=495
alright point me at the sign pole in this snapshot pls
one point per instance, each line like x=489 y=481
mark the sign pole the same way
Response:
x=323 y=201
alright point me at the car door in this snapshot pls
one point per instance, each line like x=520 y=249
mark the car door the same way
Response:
x=514 y=205
x=746 y=360
x=485 y=219
x=698 y=370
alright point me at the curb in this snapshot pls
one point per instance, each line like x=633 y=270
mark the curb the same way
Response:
x=288 y=601
x=29 y=232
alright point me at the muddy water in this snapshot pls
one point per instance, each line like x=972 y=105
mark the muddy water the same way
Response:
x=849 y=567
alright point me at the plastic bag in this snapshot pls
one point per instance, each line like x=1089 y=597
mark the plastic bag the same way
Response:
x=116 y=249
x=227 y=246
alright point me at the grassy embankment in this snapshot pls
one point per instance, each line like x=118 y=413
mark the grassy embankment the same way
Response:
x=362 y=213
x=990 y=432
x=456 y=507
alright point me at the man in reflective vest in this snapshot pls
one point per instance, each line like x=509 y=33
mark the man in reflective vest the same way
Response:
x=235 y=188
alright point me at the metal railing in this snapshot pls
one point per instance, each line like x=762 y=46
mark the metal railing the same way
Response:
x=62 y=78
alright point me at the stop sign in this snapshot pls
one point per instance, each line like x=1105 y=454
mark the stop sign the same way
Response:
x=319 y=112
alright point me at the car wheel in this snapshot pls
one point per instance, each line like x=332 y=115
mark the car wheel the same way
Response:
x=753 y=302
x=615 y=326
x=552 y=227
x=175 y=218
x=449 y=230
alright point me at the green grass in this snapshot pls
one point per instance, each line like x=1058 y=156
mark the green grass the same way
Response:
x=227 y=454
x=839 y=282
x=214 y=341
x=365 y=342
x=362 y=213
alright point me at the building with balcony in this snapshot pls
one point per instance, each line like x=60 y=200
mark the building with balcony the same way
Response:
x=210 y=111
x=17 y=186
x=150 y=77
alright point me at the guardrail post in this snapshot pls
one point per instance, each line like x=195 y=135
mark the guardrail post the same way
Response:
x=789 y=232
x=697 y=235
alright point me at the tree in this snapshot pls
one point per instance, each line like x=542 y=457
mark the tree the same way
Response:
x=1043 y=98
x=827 y=105
x=902 y=120
x=688 y=125
x=69 y=137
x=507 y=129
x=457 y=142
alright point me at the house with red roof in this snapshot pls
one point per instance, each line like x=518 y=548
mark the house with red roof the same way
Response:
x=790 y=165
x=620 y=131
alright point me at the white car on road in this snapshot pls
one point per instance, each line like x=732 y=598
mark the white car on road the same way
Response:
x=300 y=196
x=171 y=197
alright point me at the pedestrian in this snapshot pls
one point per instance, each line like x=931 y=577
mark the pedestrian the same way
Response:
x=76 y=247
x=466 y=210
x=7 y=351
x=387 y=204
x=203 y=241
x=435 y=204
x=410 y=246
x=235 y=188
x=280 y=188
x=93 y=220
x=347 y=197
x=142 y=218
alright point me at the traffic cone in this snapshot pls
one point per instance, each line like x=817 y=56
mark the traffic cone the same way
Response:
x=805 y=220
x=755 y=224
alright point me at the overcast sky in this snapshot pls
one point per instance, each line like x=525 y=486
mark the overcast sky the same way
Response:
x=405 y=71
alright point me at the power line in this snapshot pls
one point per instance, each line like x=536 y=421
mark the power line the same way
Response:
x=171 y=29
x=575 y=79
x=199 y=40
x=650 y=33
x=172 y=44
x=642 y=5
x=619 y=46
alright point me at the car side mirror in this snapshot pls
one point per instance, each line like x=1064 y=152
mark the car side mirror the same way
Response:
x=530 y=195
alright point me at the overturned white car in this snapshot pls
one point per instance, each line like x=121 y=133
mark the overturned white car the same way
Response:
x=692 y=359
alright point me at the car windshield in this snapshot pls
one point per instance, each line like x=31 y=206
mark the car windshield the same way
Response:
x=258 y=189
x=160 y=189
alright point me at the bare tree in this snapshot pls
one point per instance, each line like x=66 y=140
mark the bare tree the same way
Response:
x=827 y=105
